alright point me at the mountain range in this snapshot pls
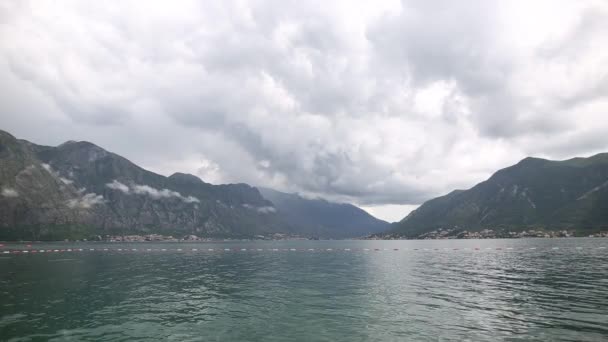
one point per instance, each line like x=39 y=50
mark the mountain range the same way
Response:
x=321 y=218
x=77 y=190
x=534 y=193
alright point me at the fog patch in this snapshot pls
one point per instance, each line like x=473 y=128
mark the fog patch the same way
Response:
x=66 y=181
x=146 y=190
x=266 y=210
x=56 y=174
x=116 y=185
x=86 y=201
x=261 y=210
x=155 y=193
x=9 y=192
x=191 y=199
x=162 y=193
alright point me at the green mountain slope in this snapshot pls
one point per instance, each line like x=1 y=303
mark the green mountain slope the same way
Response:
x=78 y=189
x=534 y=193
x=318 y=217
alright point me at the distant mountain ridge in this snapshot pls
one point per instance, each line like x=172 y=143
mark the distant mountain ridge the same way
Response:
x=78 y=189
x=321 y=218
x=534 y=193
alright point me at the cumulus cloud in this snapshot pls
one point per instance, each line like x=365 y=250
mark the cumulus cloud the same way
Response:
x=150 y=191
x=9 y=192
x=86 y=201
x=383 y=103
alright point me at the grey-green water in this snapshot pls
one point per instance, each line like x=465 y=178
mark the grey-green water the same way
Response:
x=537 y=289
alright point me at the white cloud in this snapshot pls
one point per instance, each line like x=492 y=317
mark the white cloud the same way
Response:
x=66 y=181
x=261 y=210
x=150 y=191
x=86 y=201
x=191 y=199
x=55 y=174
x=155 y=193
x=390 y=213
x=266 y=210
x=9 y=192
x=116 y=185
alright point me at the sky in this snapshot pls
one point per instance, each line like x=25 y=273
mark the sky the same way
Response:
x=383 y=104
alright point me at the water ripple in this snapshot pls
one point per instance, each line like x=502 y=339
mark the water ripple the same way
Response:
x=425 y=293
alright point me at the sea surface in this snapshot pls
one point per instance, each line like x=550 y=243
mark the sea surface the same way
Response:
x=441 y=290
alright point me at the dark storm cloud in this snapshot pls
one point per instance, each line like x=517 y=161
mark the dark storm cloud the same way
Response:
x=383 y=103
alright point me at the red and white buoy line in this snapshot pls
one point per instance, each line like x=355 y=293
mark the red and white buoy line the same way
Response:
x=31 y=250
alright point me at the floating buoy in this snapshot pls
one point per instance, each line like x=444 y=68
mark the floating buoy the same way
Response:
x=126 y=250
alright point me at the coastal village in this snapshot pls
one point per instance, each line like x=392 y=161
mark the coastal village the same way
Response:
x=438 y=234
x=189 y=238
x=455 y=233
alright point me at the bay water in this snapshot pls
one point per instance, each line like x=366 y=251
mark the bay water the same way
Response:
x=435 y=290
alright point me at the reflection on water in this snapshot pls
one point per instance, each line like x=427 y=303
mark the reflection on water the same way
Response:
x=427 y=294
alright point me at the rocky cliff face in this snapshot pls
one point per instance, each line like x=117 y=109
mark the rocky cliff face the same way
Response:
x=78 y=189
x=535 y=193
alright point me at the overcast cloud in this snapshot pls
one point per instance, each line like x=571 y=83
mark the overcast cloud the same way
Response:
x=384 y=104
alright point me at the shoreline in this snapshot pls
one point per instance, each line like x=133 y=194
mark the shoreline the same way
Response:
x=2 y=243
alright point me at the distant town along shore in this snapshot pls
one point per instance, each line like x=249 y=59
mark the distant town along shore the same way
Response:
x=456 y=233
